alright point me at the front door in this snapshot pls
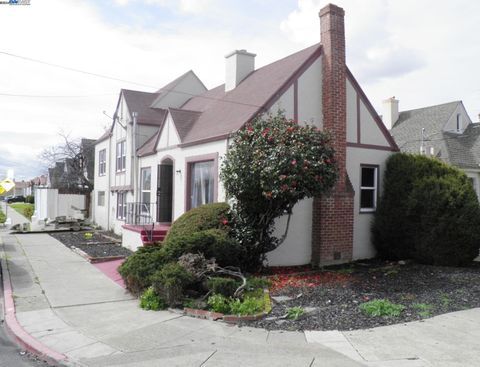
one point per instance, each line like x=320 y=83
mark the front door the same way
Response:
x=164 y=193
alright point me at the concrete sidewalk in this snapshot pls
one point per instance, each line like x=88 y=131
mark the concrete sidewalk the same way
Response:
x=74 y=309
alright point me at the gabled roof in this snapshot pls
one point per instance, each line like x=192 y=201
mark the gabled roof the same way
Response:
x=226 y=112
x=162 y=92
x=140 y=102
x=462 y=150
x=184 y=120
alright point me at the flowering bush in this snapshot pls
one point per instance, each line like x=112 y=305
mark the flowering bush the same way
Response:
x=272 y=164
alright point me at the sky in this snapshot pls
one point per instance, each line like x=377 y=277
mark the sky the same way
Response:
x=422 y=52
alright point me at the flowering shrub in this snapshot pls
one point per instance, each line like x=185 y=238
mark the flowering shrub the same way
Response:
x=272 y=164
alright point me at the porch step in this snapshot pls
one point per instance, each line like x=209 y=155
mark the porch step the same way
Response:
x=157 y=235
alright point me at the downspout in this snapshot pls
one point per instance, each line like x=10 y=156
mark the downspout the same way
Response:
x=134 y=163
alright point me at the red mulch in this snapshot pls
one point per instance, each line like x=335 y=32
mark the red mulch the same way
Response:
x=282 y=281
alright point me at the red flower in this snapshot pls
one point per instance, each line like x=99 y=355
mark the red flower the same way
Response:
x=265 y=132
x=250 y=129
x=268 y=194
x=224 y=221
x=282 y=177
x=290 y=129
x=284 y=187
x=327 y=161
x=294 y=183
x=294 y=162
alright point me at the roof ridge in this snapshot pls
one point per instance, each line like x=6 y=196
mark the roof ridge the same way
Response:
x=428 y=107
x=183 y=109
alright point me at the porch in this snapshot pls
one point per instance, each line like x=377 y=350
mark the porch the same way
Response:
x=140 y=228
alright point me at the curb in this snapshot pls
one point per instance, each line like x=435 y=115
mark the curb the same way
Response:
x=18 y=333
x=95 y=260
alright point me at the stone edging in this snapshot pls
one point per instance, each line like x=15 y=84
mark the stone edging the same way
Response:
x=95 y=260
x=18 y=333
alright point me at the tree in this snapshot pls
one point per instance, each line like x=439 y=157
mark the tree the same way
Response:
x=271 y=165
x=71 y=164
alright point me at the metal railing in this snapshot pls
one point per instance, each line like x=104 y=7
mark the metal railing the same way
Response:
x=140 y=213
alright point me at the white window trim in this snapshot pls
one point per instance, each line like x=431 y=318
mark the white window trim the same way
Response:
x=374 y=188
x=121 y=155
x=142 y=190
x=102 y=162
x=121 y=213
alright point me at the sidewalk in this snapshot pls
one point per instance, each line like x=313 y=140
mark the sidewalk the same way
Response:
x=74 y=309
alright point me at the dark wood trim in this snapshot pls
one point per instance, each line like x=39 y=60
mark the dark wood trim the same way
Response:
x=188 y=166
x=370 y=146
x=359 y=121
x=295 y=100
x=205 y=140
x=372 y=111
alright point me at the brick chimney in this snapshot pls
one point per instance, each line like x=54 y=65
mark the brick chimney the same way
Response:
x=332 y=227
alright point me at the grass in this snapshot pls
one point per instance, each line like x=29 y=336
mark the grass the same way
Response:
x=424 y=309
x=381 y=307
x=24 y=209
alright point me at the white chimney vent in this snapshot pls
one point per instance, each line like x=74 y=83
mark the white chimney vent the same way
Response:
x=239 y=64
x=390 y=112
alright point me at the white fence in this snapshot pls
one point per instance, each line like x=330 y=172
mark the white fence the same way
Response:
x=50 y=204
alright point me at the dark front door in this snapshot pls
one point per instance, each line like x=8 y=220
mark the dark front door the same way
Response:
x=164 y=193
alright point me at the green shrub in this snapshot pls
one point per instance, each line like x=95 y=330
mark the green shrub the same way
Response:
x=381 y=307
x=447 y=217
x=138 y=268
x=209 y=216
x=224 y=286
x=219 y=303
x=149 y=300
x=293 y=313
x=254 y=283
x=30 y=199
x=170 y=282
x=247 y=306
x=211 y=243
x=3 y=217
x=428 y=211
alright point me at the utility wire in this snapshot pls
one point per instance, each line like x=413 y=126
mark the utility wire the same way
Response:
x=49 y=96
x=116 y=79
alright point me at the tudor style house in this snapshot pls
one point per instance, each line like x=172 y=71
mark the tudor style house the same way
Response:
x=443 y=131
x=162 y=154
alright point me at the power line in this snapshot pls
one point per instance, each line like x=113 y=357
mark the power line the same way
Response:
x=116 y=79
x=74 y=69
x=52 y=96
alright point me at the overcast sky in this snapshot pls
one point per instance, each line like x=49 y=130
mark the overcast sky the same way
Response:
x=423 y=52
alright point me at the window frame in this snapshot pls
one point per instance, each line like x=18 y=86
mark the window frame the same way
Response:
x=144 y=191
x=189 y=162
x=98 y=198
x=121 y=156
x=375 y=188
x=102 y=162
x=459 y=122
x=121 y=206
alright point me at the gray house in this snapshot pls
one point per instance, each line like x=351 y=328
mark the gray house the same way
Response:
x=444 y=131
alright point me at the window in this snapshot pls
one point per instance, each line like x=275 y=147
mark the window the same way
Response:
x=145 y=187
x=201 y=183
x=368 y=188
x=459 y=122
x=101 y=198
x=121 y=156
x=121 y=205
x=102 y=162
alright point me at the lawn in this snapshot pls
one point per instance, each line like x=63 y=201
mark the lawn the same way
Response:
x=24 y=209
x=369 y=294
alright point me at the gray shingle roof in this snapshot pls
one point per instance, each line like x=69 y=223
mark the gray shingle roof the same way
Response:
x=462 y=150
x=140 y=102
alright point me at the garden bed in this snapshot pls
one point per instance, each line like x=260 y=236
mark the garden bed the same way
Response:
x=332 y=299
x=96 y=247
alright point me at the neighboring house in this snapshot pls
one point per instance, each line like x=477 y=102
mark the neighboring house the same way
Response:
x=75 y=175
x=22 y=188
x=38 y=182
x=163 y=152
x=443 y=131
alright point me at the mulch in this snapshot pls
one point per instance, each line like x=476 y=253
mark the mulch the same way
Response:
x=99 y=245
x=333 y=296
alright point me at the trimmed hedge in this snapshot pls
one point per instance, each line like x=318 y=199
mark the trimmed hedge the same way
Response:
x=428 y=212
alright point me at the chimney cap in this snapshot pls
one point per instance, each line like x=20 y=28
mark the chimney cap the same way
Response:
x=240 y=52
x=331 y=8
x=391 y=99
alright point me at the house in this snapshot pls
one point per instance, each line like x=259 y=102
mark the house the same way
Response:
x=162 y=154
x=443 y=131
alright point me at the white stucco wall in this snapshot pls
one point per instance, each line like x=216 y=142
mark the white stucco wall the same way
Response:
x=285 y=104
x=352 y=120
x=310 y=95
x=100 y=213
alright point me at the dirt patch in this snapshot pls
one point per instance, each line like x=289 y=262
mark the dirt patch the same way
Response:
x=94 y=244
x=333 y=298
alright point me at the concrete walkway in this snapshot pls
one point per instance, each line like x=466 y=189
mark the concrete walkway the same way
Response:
x=74 y=309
